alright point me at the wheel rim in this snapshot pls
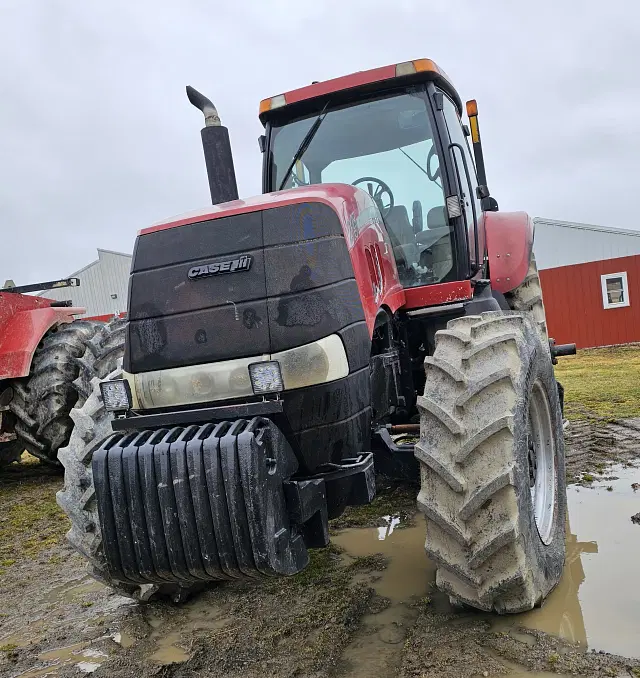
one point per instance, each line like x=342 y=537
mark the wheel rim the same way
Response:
x=542 y=462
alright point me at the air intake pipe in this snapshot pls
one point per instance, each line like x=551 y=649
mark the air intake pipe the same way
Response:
x=217 y=150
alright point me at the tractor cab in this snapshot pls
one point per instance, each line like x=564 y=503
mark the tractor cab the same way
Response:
x=398 y=136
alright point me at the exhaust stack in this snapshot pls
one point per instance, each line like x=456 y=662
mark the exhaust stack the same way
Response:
x=217 y=150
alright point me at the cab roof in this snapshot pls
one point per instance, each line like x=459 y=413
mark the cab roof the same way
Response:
x=418 y=70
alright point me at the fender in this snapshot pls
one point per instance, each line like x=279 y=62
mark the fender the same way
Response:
x=372 y=258
x=24 y=321
x=509 y=245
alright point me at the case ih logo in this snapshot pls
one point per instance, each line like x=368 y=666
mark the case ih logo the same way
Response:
x=242 y=263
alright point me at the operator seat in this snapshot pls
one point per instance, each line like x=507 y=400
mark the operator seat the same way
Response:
x=403 y=239
x=436 y=218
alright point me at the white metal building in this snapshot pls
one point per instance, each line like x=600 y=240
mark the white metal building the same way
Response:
x=103 y=285
x=563 y=243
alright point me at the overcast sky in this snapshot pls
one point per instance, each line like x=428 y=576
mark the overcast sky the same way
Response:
x=98 y=139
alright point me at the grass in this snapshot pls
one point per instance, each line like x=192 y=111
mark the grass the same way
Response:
x=601 y=382
x=30 y=519
x=374 y=562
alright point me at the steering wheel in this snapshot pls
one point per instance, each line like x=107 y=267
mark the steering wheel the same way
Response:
x=378 y=193
x=434 y=176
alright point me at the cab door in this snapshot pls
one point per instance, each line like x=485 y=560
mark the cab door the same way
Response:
x=465 y=171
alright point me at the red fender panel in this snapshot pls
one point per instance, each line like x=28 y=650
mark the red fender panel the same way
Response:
x=509 y=245
x=24 y=320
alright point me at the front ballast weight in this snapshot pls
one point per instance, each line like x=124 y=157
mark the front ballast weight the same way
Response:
x=216 y=501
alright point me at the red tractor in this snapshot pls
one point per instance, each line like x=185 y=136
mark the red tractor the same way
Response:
x=275 y=346
x=44 y=371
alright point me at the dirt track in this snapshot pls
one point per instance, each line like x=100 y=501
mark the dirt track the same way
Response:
x=365 y=606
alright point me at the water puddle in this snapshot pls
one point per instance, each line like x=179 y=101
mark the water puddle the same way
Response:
x=123 y=639
x=377 y=647
x=168 y=651
x=595 y=606
x=597 y=602
x=85 y=659
x=409 y=572
x=72 y=590
x=172 y=641
x=517 y=672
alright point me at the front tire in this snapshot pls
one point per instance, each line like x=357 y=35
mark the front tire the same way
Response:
x=491 y=455
x=92 y=424
x=78 y=499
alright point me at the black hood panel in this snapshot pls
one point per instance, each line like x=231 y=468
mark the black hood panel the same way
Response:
x=298 y=288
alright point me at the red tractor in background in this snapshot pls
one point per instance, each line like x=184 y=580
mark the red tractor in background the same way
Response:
x=44 y=369
x=275 y=346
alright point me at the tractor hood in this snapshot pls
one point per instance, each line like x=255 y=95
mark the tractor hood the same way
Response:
x=246 y=278
x=347 y=201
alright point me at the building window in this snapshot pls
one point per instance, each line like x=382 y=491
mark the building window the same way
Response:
x=615 y=290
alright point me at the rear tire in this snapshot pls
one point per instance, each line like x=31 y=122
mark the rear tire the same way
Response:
x=527 y=298
x=490 y=396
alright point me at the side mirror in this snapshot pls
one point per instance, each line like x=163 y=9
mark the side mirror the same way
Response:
x=262 y=143
x=489 y=204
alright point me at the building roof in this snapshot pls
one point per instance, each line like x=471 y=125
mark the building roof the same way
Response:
x=587 y=227
x=93 y=263
x=564 y=243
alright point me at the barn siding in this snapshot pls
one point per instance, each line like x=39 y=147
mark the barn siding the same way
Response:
x=573 y=303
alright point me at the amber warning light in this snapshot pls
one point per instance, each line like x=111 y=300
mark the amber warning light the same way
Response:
x=472 y=112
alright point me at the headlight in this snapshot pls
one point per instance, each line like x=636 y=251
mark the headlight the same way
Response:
x=116 y=395
x=195 y=384
x=315 y=363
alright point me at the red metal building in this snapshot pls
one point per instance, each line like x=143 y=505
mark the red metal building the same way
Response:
x=592 y=304
x=591 y=294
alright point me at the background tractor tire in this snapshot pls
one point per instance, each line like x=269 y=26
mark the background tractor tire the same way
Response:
x=490 y=403
x=527 y=297
x=42 y=401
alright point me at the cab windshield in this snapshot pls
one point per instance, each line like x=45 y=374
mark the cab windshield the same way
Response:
x=384 y=146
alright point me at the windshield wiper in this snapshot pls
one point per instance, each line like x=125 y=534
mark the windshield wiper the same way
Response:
x=304 y=144
x=422 y=169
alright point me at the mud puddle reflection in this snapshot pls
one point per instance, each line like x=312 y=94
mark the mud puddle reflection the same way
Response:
x=597 y=602
x=377 y=647
x=85 y=659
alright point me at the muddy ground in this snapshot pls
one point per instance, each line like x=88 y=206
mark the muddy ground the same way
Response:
x=366 y=606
